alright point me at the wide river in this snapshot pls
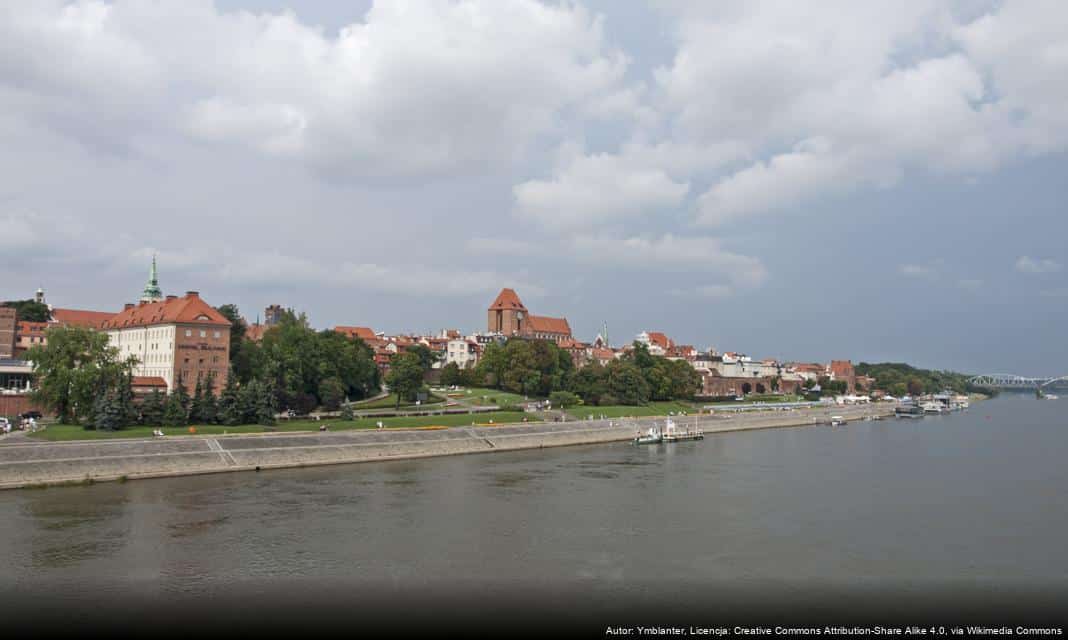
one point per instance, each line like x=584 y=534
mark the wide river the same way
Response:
x=973 y=502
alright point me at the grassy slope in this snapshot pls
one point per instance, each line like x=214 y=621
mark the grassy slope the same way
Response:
x=390 y=402
x=620 y=411
x=493 y=396
x=62 y=432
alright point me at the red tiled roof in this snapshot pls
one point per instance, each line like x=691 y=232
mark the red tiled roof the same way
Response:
x=28 y=328
x=81 y=318
x=189 y=309
x=507 y=299
x=148 y=381
x=363 y=333
x=603 y=354
x=660 y=340
x=545 y=324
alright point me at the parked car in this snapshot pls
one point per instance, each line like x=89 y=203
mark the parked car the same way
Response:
x=36 y=415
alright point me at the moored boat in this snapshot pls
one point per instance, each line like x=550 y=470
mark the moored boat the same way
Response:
x=652 y=436
x=673 y=434
x=908 y=411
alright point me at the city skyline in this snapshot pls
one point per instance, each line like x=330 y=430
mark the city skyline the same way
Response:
x=868 y=182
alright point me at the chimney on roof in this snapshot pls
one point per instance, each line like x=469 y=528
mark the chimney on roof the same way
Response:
x=192 y=294
x=127 y=306
x=172 y=297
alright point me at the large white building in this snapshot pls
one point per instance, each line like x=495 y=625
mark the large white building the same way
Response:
x=173 y=338
x=464 y=352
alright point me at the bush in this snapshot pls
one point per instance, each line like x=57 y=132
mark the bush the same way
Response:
x=346 y=412
x=564 y=399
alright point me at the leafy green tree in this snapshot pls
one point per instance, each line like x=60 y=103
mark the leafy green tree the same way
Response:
x=898 y=389
x=152 y=409
x=209 y=406
x=174 y=411
x=108 y=411
x=196 y=408
x=74 y=366
x=331 y=393
x=347 y=413
x=265 y=404
x=915 y=386
x=238 y=328
x=564 y=399
x=247 y=399
x=125 y=398
x=591 y=383
x=626 y=383
x=29 y=310
x=229 y=411
x=427 y=358
x=451 y=375
x=405 y=377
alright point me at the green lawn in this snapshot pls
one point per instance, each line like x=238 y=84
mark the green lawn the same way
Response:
x=626 y=411
x=480 y=396
x=390 y=401
x=62 y=432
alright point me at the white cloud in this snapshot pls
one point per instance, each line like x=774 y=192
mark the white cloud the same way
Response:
x=416 y=88
x=871 y=90
x=587 y=190
x=1027 y=264
x=698 y=255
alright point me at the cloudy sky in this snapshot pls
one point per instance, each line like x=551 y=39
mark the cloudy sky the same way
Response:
x=875 y=181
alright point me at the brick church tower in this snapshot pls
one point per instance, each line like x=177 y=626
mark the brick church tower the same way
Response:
x=507 y=314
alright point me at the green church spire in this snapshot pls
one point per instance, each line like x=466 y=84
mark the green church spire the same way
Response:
x=152 y=292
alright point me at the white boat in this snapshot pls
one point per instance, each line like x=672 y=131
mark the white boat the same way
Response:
x=673 y=434
x=1050 y=396
x=652 y=436
x=931 y=407
x=837 y=421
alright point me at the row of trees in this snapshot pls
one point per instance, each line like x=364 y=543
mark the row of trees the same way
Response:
x=541 y=368
x=306 y=368
x=899 y=378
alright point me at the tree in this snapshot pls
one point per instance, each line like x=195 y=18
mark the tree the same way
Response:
x=346 y=412
x=152 y=409
x=237 y=327
x=29 y=310
x=427 y=358
x=125 y=398
x=331 y=393
x=265 y=404
x=73 y=368
x=108 y=414
x=196 y=409
x=174 y=412
x=405 y=377
x=451 y=374
x=626 y=383
x=898 y=389
x=247 y=398
x=209 y=406
x=564 y=399
x=229 y=410
x=915 y=386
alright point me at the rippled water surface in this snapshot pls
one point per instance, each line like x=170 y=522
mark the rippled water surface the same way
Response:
x=977 y=497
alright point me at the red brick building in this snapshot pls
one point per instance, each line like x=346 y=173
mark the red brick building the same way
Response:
x=175 y=338
x=508 y=316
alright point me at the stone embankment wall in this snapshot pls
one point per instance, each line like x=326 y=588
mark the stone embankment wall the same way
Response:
x=28 y=464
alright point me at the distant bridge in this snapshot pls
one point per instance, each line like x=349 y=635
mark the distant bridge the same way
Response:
x=1009 y=381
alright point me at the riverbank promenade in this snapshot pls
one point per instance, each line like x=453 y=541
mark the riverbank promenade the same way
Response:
x=26 y=463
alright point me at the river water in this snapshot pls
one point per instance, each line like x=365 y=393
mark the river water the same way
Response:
x=973 y=500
